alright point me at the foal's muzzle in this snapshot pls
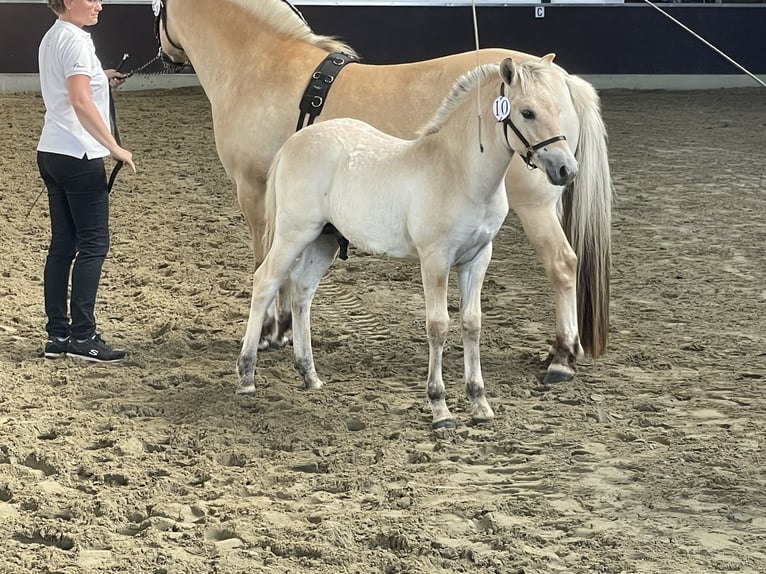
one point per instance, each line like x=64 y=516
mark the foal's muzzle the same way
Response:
x=560 y=167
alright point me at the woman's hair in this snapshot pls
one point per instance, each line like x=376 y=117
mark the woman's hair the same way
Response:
x=57 y=6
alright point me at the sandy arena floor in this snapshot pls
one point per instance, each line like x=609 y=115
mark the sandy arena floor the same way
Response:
x=651 y=461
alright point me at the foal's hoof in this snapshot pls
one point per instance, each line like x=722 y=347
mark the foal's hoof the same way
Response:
x=445 y=424
x=481 y=420
x=554 y=376
x=245 y=389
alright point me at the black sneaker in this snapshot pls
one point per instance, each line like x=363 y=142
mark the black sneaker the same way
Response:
x=93 y=349
x=55 y=347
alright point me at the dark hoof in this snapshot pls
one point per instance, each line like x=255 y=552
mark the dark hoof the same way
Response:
x=445 y=424
x=555 y=377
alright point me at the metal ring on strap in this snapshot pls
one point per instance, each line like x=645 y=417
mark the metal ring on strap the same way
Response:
x=315 y=95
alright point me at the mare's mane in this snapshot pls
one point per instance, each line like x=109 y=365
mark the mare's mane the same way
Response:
x=284 y=20
x=528 y=74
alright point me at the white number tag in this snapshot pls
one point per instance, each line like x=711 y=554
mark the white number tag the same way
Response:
x=501 y=108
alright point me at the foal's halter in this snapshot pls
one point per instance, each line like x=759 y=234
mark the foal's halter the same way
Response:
x=530 y=149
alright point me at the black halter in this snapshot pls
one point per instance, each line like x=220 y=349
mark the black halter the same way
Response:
x=163 y=17
x=530 y=149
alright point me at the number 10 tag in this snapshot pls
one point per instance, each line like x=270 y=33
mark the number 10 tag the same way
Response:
x=501 y=108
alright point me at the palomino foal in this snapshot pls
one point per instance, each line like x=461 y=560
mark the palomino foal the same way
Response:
x=439 y=198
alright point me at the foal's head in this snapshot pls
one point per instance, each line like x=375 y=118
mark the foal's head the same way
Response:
x=530 y=111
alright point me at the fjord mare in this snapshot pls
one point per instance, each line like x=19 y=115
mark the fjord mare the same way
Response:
x=254 y=59
x=440 y=198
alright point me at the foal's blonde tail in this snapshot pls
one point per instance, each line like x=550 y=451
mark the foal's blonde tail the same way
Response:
x=270 y=205
x=587 y=218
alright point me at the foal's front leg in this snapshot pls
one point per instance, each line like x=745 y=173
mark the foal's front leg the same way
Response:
x=435 y=279
x=470 y=280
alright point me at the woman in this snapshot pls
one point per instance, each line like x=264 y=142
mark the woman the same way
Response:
x=75 y=139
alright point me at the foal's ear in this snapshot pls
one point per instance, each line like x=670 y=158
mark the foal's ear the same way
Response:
x=507 y=70
x=548 y=58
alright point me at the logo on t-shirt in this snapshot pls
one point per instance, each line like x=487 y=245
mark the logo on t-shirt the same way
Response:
x=78 y=65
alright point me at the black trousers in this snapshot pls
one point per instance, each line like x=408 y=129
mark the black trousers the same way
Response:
x=79 y=209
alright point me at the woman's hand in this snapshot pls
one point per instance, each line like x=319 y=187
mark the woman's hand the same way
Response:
x=121 y=154
x=116 y=79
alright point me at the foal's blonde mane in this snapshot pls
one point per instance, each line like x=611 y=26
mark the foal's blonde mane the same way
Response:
x=284 y=21
x=528 y=75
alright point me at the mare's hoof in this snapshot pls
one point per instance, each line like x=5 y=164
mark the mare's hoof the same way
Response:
x=273 y=344
x=445 y=424
x=555 y=376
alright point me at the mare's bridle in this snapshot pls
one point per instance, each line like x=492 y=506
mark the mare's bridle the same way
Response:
x=530 y=149
x=161 y=15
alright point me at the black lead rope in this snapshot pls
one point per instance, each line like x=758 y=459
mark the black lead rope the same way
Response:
x=117 y=166
x=115 y=131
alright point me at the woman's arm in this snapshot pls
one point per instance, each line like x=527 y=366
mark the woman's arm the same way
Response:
x=78 y=87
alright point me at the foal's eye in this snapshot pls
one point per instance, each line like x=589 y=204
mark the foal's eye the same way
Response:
x=528 y=114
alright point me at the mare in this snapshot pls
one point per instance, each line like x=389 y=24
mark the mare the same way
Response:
x=254 y=59
x=440 y=198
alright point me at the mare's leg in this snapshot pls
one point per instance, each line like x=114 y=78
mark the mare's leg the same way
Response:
x=266 y=281
x=470 y=279
x=281 y=314
x=435 y=279
x=543 y=229
x=305 y=278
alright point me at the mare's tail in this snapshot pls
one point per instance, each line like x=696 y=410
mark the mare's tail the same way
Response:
x=587 y=217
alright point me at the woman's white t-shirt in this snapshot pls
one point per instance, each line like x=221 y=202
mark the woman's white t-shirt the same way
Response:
x=67 y=50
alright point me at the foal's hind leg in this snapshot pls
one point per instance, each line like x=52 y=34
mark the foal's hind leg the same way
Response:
x=251 y=197
x=266 y=281
x=435 y=279
x=560 y=262
x=470 y=280
x=305 y=278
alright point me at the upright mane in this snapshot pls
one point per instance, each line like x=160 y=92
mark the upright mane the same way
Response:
x=527 y=74
x=285 y=20
x=463 y=86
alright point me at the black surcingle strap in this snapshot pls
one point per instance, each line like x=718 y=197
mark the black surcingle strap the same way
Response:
x=319 y=86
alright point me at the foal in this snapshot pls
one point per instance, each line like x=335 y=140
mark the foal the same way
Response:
x=439 y=198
